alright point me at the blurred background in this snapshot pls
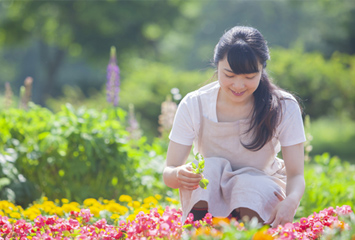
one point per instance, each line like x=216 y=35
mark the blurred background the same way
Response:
x=168 y=44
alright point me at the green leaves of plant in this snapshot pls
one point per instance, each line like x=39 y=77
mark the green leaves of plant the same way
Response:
x=199 y=168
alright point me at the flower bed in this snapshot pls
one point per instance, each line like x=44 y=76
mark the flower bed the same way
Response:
x=146 y=219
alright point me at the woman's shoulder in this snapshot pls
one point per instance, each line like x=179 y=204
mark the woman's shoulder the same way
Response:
x=204 y=93
x=289 y=102
x=284 y=95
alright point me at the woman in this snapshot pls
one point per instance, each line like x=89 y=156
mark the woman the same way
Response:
x=239 y=124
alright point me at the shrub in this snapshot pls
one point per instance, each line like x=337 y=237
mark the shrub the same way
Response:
x=78 y=154
x=325 y=85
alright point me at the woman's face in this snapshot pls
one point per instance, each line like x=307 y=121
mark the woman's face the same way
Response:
x=237 y=88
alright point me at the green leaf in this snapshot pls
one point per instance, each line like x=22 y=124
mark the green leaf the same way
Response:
x=203 y=183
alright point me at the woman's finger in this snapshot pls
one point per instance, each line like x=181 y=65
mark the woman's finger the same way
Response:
x=279 y=196
x=276 y=223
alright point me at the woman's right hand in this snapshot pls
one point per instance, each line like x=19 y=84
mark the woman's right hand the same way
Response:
x=186 y=178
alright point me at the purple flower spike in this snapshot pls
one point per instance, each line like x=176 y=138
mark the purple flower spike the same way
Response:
x=113 y=79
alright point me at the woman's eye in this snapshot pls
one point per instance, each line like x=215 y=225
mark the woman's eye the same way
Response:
x=250 y=77
x=228 y=76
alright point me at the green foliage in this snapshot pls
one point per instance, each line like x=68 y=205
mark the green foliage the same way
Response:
x=145 y=85
x=148 y=84
x=334 y=135
x=325 y=86
x=199 y=168
x=329 y=182
x=79 y=154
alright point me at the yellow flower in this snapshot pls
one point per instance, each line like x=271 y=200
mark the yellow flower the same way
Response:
x=161 y=211
x=173 y=201
x=145 y=210
x=125 y=198
x=145 y=205
x=136 y=204
x=203 y=231
x=8 y=211
x=69 y=207
x=131 y=217
x=75 y=204
x=115 y=216
x=117 y=208
x=95 y=211
x=15 y=215
x=31 y=213
x=151 y=200
x=158 y=196
x=64 y=200
x=90 y=202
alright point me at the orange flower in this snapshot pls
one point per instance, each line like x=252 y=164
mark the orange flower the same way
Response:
x=220 y=221
x=262 y=235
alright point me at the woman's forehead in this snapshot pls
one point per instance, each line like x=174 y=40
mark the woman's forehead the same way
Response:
x=224 y=65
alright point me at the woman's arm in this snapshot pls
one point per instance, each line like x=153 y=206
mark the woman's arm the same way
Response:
x=294 y=163
x=176 y=174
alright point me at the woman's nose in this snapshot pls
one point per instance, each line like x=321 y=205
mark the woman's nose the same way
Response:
x=238 y=84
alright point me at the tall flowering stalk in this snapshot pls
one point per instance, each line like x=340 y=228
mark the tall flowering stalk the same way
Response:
x=8 y=95
x=113 y=79
x=25 y=93
x=166 y=118
x=133 y=127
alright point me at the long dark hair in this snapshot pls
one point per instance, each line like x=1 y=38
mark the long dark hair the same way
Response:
x=244 y=47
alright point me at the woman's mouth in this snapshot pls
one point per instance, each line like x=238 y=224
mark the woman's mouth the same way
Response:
x=238 y=94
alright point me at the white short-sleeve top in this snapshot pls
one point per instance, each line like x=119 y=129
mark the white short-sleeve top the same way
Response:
x=186 y=125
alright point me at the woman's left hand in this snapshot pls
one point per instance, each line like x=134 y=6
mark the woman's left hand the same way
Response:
x=283 y=212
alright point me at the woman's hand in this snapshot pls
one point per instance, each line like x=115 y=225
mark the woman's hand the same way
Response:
x=186 y=178
x=283 y=212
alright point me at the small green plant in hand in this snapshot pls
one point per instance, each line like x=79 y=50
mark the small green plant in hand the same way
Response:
x=198 y=169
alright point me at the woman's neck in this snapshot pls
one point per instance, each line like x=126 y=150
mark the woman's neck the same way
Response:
x=229 y=111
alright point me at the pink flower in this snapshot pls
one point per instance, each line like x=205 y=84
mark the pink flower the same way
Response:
x=51 y=220
x=317 y=227
x=343 y=210
x=74 y=214
x=197 y=224
x=101 y=224
x=6 y=228
x=208 y=218
x=304 y=223
x=74 y=223
x=40 y=221
x=164 y=229
x=330 y=211
x=189 y=219
x=85 y=214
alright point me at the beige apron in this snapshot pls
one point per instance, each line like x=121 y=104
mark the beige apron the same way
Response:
x=237 y=176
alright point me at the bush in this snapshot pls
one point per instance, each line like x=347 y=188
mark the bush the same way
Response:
x=78 y=154
x=325 y=86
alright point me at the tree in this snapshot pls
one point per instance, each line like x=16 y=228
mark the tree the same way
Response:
x=87 y=29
